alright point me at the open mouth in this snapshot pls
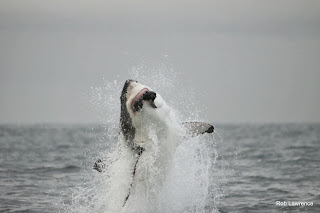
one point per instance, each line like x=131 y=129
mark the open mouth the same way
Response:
x=138 y=97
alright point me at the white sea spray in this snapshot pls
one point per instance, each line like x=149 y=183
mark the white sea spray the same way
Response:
x=188 y=186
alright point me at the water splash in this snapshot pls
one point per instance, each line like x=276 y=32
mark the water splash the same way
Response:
x=190 y=185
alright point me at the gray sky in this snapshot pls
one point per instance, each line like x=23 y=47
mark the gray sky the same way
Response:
x=257 y=60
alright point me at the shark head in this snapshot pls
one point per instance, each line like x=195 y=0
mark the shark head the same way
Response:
x=140 y=107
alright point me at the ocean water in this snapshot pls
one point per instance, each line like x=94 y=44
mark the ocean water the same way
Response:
x=48 y=168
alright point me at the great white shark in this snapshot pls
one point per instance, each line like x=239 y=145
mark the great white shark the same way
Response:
x=148 y=138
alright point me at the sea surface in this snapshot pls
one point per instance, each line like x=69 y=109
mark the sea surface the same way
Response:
x=42 y=166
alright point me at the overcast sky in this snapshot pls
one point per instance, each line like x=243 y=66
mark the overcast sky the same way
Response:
x=257 y=61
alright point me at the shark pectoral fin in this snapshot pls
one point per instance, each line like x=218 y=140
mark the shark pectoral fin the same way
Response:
x=99 y=165
x=197 y=128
